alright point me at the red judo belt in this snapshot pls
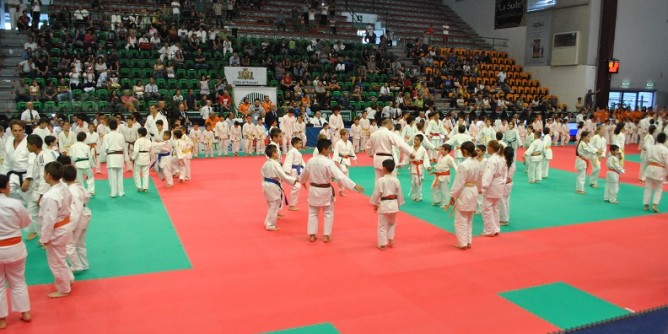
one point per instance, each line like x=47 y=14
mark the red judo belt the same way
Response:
x=388 y=198
x=587 y=163
x=10 y=241
x=417 y=166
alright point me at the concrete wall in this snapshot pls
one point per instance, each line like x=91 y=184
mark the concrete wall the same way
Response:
x=641 y=46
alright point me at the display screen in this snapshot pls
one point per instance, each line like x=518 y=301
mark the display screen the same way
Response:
x=536 y=5
x=613 y=66
x=565 y=40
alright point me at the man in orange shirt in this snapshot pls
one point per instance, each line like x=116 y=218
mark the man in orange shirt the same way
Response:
x=266 y=104
x=243 y=108
x=212 y=120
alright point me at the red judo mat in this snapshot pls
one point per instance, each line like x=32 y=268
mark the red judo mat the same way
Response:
x=247 y=280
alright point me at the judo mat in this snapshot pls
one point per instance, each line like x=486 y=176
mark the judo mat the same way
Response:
x=243 y=279
x=127 y=235
x=532 y=206
x=651 y=321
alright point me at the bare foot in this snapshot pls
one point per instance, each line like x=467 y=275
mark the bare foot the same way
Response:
x=381 y=247
x=31 y=236
x=327 y=239
x=3 y=323
x=312 y=238
x=58 y=294
x=293 y=208
x=25 y=316
x=272 y=228
x=461 y=247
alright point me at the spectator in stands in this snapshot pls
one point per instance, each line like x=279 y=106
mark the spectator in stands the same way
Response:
x=138 y=90
x=230 y=10
x=115 y=101
x=191 y=100
x=131 y=41
x=26 y=68
x=81 y=16
x=176 y=12
x=128 y=101
x=159 y=70
x=89 y=80
x=204 y=90
x=234 y=60
x=151 y=91
x=280 y=21
x=50 y=92
x=224 y=102
x=64 y=91
x=23 y=22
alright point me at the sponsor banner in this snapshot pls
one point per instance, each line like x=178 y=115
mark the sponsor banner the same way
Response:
x=509 y=13
x=246 y=76
x=539 y=33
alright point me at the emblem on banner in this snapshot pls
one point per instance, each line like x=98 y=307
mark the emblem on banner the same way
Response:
x=246 y=74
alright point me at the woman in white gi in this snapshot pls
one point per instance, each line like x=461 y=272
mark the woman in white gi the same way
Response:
x=656 y=172
x=13 y=217
x=504 y=202
x=464 y=194
x=584 y=153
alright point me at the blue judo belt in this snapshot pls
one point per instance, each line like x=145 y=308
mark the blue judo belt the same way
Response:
x=160 y=155
x=298 y=168
x=278 y=183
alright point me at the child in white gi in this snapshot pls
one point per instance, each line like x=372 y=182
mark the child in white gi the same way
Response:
x=195 y=137
x=248 y=132
x=164 y=162
x=273 y=174
x=343 y=154
x=547 y=152
x=222 y=134
x=440 y=192
x=457 y=140
x=80 y=216
x=325 y=131
x=656 y=173
x=386 y=199
x=463 y=196
x=612 y=177
x=13 y=256
x=299 y=129
x=207 y=140
x=235 y=138
x=276 y=136
x=93 y=141
x=260 y=135
x=37 y=186
x=584 y=154
x=504 y=201
x=416 y=167
x=183 y=152
x=113 y=146
x=293 y=166
x=319 y=173
x=356 y=130
x=491 y=186
x=55 y=209
x=82 y=158
x=141 y=156
x=534 y=158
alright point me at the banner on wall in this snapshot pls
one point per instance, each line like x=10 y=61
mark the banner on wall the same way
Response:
x=509 y=13
x=539 y=39
x=246 y=76
x=252 y=93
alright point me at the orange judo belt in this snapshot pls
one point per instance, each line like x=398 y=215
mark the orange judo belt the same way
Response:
x=655 y=164
x=62 y=223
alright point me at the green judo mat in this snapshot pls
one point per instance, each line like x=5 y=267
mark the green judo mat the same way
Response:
x=127 y=235
x=563 y=305
x=313 y=329
x=532 y=206
x=632 y=157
